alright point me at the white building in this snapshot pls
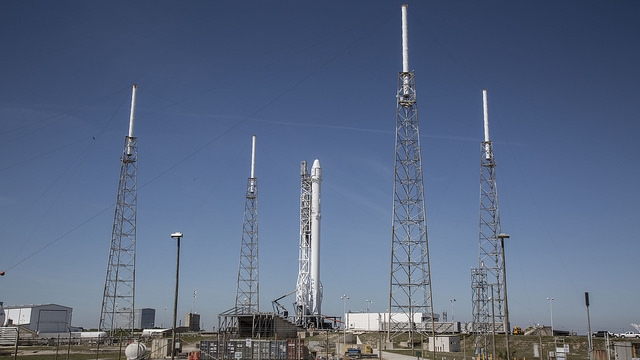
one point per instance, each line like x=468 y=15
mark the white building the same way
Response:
x=445 y=343
x=379 y=321
x=47 y=318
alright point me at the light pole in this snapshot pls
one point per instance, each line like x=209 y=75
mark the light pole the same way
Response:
x=369 y=302
x=551 y=313
x=452 y=302
x=164 y=315
x=344 y=324
x=507 y=326
x=193 y=304
x=177 y=236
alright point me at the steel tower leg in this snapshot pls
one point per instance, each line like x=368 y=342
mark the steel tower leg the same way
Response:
x=119 y=289
x=410 y=301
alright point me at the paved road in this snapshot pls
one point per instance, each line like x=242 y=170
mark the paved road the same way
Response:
x=394 y=356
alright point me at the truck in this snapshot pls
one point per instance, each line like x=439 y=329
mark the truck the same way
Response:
x=628 y=334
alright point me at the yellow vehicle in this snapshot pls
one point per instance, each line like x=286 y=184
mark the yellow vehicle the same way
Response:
x=517 y=331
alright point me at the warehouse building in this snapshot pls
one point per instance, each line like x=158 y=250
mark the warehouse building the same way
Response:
x=42 y=319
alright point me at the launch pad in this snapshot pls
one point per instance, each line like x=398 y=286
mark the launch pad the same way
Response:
x=258 y=325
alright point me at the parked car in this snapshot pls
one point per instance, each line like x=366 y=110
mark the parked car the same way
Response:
x=603 y=333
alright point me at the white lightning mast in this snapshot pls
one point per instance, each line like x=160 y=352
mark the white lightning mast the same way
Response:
x=487 y=280
x=410 y=302
x=119 y=289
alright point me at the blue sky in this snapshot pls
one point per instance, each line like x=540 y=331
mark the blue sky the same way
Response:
x=318 y=80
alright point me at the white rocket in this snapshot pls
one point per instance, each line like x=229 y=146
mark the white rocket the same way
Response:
x=316 y=287
x=309 y=287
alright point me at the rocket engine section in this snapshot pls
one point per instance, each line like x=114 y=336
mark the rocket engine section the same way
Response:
x=309 y=288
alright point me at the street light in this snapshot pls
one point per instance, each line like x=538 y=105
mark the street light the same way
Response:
x=452 y=302
x=177 y=236
x=344 y=325
x=369 y=302
x=507 y=326
x=551 y=313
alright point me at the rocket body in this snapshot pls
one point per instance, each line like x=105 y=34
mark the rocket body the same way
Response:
x=316 y=287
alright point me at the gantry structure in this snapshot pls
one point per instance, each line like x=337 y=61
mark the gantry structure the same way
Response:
x=303 y=304
x=487 y=282
x=118 y=300
x=410 y=300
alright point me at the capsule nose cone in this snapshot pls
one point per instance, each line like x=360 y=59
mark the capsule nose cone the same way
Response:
x=316 y=170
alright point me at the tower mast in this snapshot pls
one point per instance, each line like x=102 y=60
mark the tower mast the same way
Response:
x=488 y=298
x=303 y=284
x=118 y=303
x=247 y=301
x=410 y=301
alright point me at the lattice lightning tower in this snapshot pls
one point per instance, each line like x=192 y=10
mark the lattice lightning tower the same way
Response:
x=119 y=288
x=247 y=301
x=410 y=302
x=488 y=300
